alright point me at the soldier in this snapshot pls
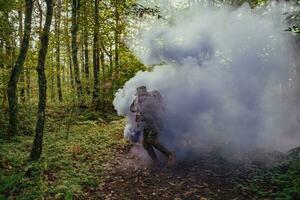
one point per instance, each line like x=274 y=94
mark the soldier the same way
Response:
x=148 y=109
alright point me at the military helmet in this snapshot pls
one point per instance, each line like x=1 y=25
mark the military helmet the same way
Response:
x=141 y=90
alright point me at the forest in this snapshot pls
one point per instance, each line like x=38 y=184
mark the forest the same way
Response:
x=227 y=70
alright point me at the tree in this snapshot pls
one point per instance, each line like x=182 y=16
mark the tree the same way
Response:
x=16 y=71
x=117 y=21
x=39 y=129
x=86 y=48
x=96 y=59
x=68 y=44
x=57 y=31
x=74 y=30
x=22 y=76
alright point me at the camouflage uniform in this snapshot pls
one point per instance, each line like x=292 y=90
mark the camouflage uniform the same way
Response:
x=151 y=123
x=151 y=140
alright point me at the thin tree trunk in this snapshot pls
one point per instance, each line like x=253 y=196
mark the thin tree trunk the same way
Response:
x=110 y=62
x=39 y=130
x=74 y=30
x=111 y=68
x=96 y=100
x=57 y=30
x=82 y=66
x=28 y=83
x=22 y=80
x=41 y=16
x=68 y=44
x=103 y=80
x=85 y=49
x=117 y=18
x=86 y=61
x=52 y=76
x=102 y=62
x=71 y=66
x=16 y=71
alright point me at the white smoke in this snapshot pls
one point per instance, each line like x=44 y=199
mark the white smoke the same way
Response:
x=228 y=77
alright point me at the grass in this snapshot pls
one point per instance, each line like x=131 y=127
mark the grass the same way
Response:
x=68 y=168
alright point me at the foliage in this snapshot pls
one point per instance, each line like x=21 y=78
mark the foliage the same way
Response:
x=140 y=11
x=281 y=182
x=68 y=168
x=27 y=120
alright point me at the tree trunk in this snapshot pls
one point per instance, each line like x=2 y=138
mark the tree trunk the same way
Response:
x=110 y=62
x=104 y=88
x=74 y=30
x=28 y=83
x=68 y=45
x=16 y=71
x=39 y=129
x=96 y=100
x=86 y=60
x=22 y=80
x=57 y=31
x=52 y=75
x=70 y=64
x=82 y=66
x=117 y=18
x=39 y=6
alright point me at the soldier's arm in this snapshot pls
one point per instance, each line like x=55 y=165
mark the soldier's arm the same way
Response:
x=160 y=100
x=132 y=106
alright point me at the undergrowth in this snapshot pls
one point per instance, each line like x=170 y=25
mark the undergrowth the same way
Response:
x=281 y=182
x=77 y=145
x=70 y=166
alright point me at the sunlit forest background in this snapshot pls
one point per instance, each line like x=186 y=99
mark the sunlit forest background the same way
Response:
x=61 y=62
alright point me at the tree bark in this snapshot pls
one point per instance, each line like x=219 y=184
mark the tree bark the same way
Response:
x=111 y=62
x=52 y=75
x=16 y=71
x=82 y=66
x=39 y=6
x=117 y=18
x=39 y=129
x=57 y=30
x=96 y=60
x=74 y=30
x=22 y=76
x=28 y=84
x=68 y=45
x=86 y=60
x=104 y=88
x=115 y=75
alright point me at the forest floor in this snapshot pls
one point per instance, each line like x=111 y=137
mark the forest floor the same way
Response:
x=86 y=157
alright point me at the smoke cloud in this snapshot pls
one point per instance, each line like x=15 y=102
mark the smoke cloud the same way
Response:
x=227 y=76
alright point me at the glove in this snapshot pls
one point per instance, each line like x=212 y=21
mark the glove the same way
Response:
x=138 y=117
x=135 y=136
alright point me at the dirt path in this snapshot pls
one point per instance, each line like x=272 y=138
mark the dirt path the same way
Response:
x=203 y=177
